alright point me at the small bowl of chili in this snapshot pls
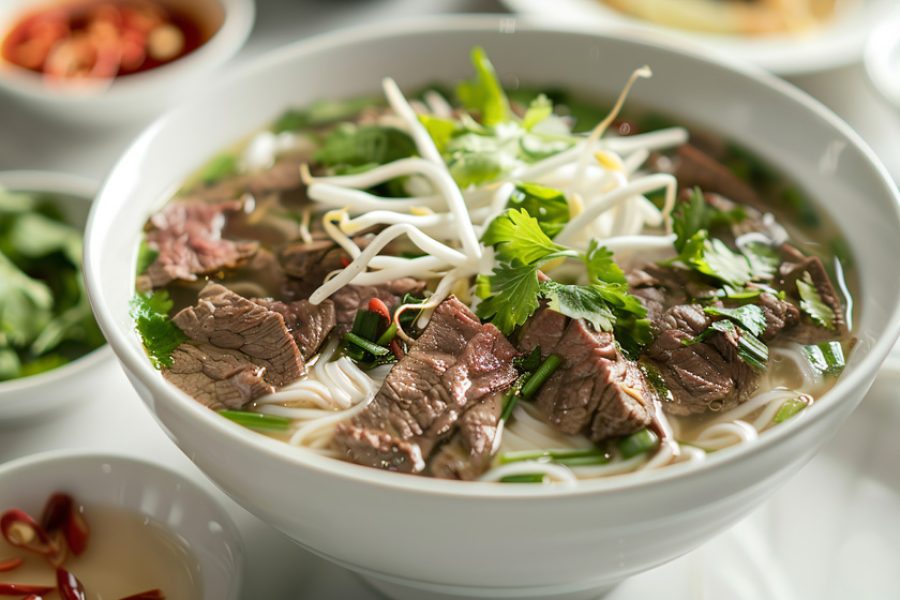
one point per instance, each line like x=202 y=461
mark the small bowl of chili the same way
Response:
x=114 y=60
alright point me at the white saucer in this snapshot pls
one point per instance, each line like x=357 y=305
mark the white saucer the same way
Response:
x=838 y=43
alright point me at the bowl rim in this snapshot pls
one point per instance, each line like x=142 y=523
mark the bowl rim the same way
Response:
x=137 y=363
x=84 y=190
x=79 y=458
x=882 y=43
x=237 y=23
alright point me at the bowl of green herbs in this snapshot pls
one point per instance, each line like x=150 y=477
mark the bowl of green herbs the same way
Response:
x=48 y=336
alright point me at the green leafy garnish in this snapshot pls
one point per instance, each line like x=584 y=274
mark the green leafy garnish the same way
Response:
x=749 y=348
x=548 y=205
x=826 y=358
x=146 y=257
x=440 y=130
x=484 y=94
x=749 y=316
x=255 y=420
x=639 y=442
x=714 y=259
x=572 y=458
x=161 y=336
x=695 y=215
x=322 y=113
x=218 y=168
x=522 y=247
x=812 y=304
x=475 y=168
x=539 y=109
x=349 y=145
x=764 y=260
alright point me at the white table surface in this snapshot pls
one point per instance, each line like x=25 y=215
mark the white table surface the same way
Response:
x=113 y=419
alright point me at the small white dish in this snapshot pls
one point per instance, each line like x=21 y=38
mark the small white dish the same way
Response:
x=836 y=44
x=883 y=59
x=164 y=496
x=38 y=394
x=141 y=94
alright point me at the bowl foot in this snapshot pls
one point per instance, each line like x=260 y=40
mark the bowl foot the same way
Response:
x=415 y=590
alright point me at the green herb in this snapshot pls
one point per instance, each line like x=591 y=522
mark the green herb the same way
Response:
x=529 y=362
x=361 y=342
x=579 y=302
x=600 y=264
x=789 y=409
x=539 y=109
x=812 y=304
x=484 y=93
x=161 y=336
x=714 y=259
x=579 y=457
x=524 y=478
x=749 y=348
x=637 y=443
x=749 y=316
x=475 y=168
x=440 y=130
x=364 y=145
x=255 y=420
x=518 y=236
x=146 y=257
x=218 y=168
x=322 y=113
x=514 y=296
x=695 y=215
x=764 y=260
x=511 y=398
x=541 y=375
x=388 y=336
x=826 y=358
x=548 y=205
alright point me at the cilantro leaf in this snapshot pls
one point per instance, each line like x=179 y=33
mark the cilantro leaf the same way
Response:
x=696 y=214
x=161 y=336
x=146 y=257
x=749 y=316
x=548 y=205
x=812 y=304
x=600 y=264
x=517 y=236
x=514 y=296
x=749 y=348
x=579 y=302
x=475 y=168
x=764 y=260
x=484 y=94
x=713 y=258
x=440 y=130
x=539 y=109
x=366 y=144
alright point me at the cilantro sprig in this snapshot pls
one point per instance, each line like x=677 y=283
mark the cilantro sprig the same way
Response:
x=812 y=304
x=161 y=336
x=514 y=289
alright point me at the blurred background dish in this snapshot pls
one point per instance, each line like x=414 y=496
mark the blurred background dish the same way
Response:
x=829 y=43
x=883 y=59
x=147 y=526
x=106 y=61
x=49 y=337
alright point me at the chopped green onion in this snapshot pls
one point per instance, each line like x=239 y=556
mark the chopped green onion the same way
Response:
x=826 y=358
x=366 y=324
x=543 y=373
x=524 y=478
x=637 y=443
x=789 y=409
x=388 y=336
x=361 y=342
x=510 y=399
x=565 y=457
x=257 y=420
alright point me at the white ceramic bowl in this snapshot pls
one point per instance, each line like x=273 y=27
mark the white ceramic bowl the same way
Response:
x=144 y=489
x=30 y=396
x=413 y=535
x=139 y=95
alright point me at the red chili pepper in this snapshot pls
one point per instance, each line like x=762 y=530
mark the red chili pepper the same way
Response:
x=10 y=564
x=61 y=514
x=345 y=262
x=377 y=306
x=21 y=589
x=21 y=531
x=69 y=586
x=148 y=595
x=396 y=348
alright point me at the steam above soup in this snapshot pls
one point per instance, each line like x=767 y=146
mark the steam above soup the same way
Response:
x=501 y=285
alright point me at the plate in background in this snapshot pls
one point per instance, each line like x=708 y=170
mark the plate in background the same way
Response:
x=839 y=43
